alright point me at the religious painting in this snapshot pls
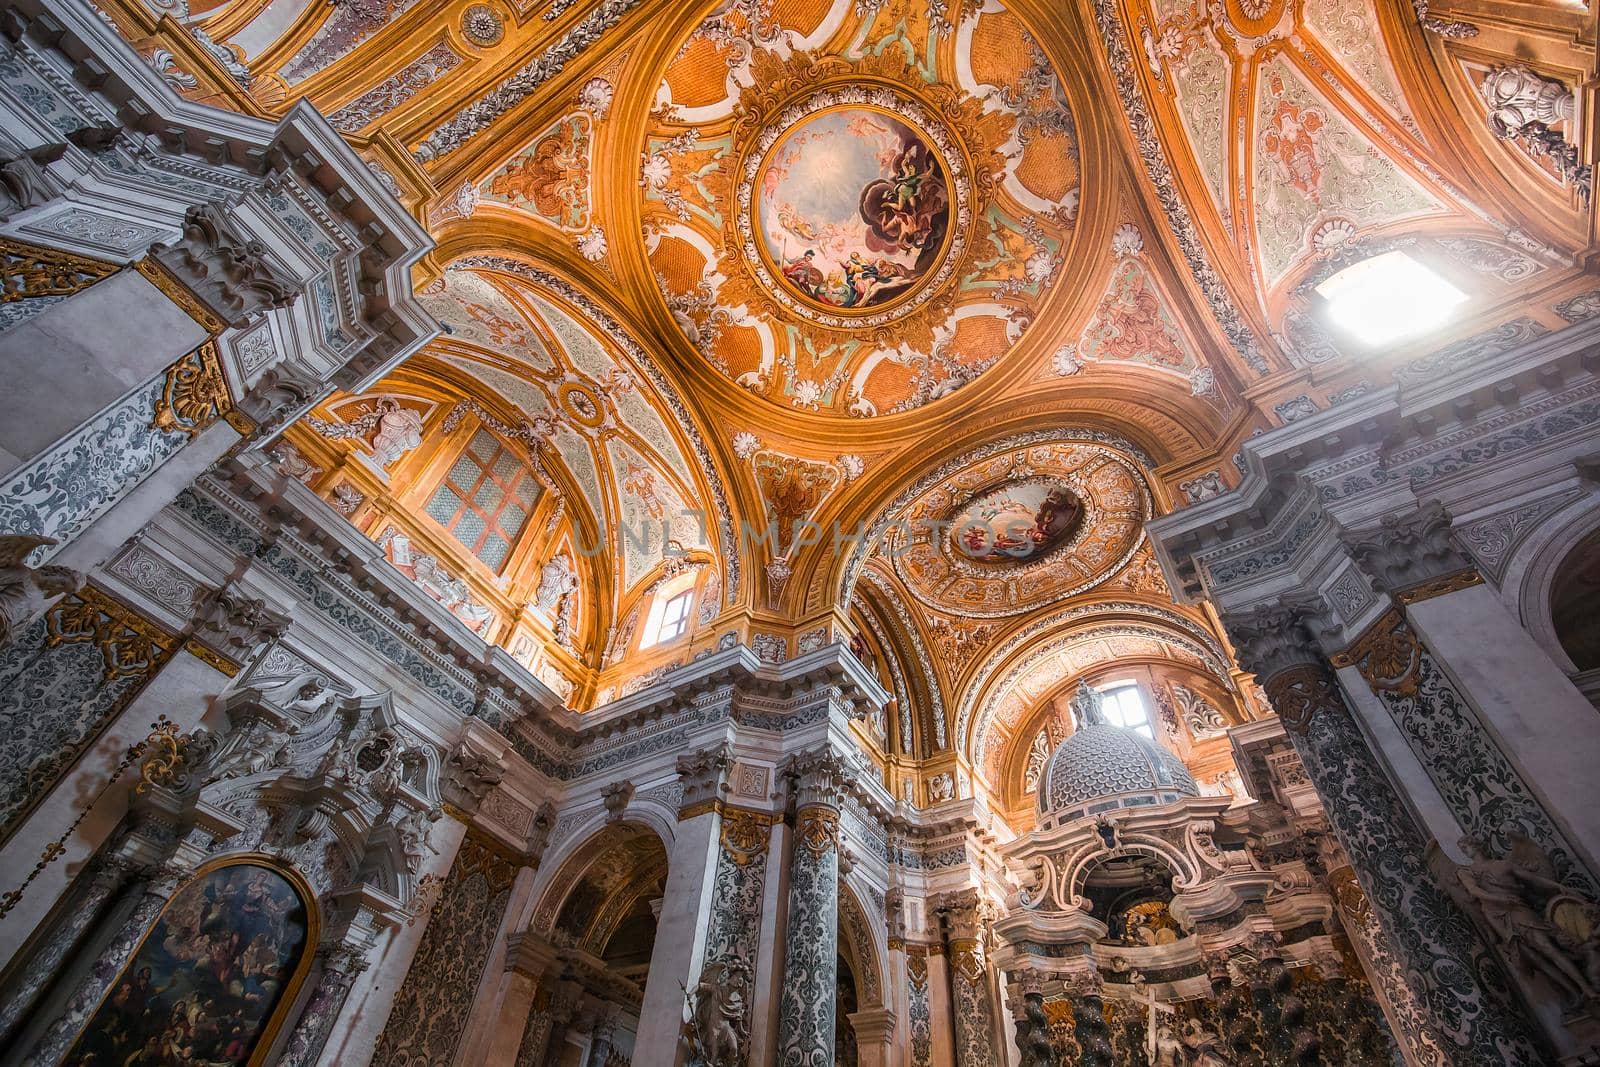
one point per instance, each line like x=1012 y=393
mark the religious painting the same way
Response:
x=204 y=985
x=1016 y=522
x=854 y=207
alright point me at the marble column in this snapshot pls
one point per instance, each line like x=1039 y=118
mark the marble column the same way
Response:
x=341 y=964
x=103 y=341
x=970 y=993
x=679 y=953
x=1469 y=1005
x=97 y=980
x=1476 y=699
x=529 y=962
x=1083 y=988
x=1401 y=1005
x=605 y=1029
x=811 y=947
x=89 y=901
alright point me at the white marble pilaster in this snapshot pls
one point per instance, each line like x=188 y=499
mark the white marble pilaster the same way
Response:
x=679 y=950
x=1539 y=719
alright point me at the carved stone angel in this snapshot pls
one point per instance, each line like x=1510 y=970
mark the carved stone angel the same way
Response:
x=258 y=746
x=414 y=830
x=1513 y=895
x=715 y=1033
x=24 y=589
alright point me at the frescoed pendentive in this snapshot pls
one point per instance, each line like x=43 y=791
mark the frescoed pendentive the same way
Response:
x=854 y=208
x=205 y=983
x=1016 y=522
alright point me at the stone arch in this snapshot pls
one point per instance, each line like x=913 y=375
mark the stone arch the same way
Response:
x=1053 y=635
x=858 y=937
x=1531 y=573
x=636 y=841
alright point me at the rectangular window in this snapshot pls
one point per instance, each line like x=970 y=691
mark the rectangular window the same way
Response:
x=485 y=499
x=675 y=617
x=1124 y=707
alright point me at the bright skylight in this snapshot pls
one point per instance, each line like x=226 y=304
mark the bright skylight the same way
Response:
x=1389 y=297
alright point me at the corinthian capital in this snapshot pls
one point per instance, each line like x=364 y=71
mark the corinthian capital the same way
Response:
x=1408 y=550
x=1276 y=637
x=225 y=269
x=704 y=775
x=817 y=777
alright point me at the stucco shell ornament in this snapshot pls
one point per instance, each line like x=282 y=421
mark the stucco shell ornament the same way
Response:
x=1007 y=534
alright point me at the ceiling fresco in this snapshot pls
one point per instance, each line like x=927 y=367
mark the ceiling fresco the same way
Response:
x=1294 y=118
x=855 y=210
x=1019 y=530
x=992 y=281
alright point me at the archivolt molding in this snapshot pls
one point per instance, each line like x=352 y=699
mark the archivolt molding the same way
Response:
x=1048 y=634
x=861 y=936
x=933 y=724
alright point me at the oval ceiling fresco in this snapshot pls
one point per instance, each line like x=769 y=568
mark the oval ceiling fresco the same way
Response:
x=857 y=209
x=1025 y=528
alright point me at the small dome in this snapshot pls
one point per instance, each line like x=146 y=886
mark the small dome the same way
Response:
x=1102 y=767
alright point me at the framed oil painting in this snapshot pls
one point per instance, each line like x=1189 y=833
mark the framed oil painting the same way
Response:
x=206 y=984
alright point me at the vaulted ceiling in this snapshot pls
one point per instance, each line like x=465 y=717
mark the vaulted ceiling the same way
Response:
x=864 y=261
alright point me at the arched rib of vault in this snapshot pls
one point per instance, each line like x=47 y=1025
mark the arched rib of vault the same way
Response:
x=1051 y=633
x=607 y=323
x=921 y=728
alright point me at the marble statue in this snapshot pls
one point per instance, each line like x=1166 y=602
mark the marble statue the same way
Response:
x=715 y=1032
x=1514 y=895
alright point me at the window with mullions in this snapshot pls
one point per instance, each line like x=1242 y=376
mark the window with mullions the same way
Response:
x=485 y=499
x=1124 y=707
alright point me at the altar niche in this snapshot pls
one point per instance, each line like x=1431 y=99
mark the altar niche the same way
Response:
x=215 y=976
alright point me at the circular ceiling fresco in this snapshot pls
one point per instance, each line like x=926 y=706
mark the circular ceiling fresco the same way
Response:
x=1025 y=528
x=852 y=211
x=857 y=209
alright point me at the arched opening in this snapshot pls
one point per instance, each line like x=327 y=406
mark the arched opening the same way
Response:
x=846 y=1004
x=598 y=919
x=1132 y=895
x=1573 y=596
